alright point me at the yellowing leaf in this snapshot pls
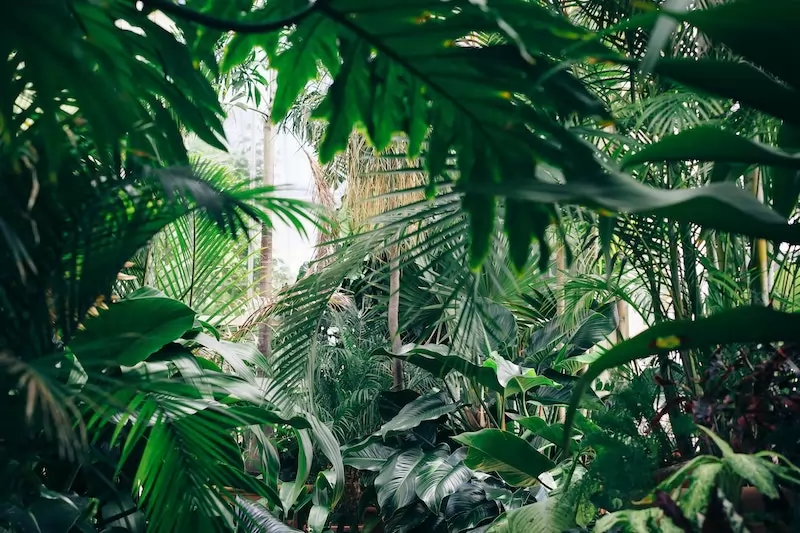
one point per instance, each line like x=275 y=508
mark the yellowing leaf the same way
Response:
x=668 y=343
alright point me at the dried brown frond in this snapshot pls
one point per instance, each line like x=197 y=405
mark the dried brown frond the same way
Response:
x=322 y=194
x=372 y=177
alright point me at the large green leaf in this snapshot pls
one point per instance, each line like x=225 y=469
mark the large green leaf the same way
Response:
x=742 y=325
x=720 y=206
x=322 y=501
x=435 y=359
x=541 y=517
x=326 y=442
x=553 y=433
x=440 y=477
x=427 y=407
x=783 y=185
x=495 y=450
x=727 y=23
x=256 y=519
x=130 y=331
x=289 y=492
x=736 y=80
x=750 y=468
x=397 y=481
x=496 y=374
x=516 y=379
x=468 y=507
x=407 y=519
x=709 y=143
x=372 y=457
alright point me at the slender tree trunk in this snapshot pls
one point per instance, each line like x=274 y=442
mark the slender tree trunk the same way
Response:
x=561 y=267
x=254 y=462
x=394 y=318
x=265 y=280
x=623 y=326
x=759 y=266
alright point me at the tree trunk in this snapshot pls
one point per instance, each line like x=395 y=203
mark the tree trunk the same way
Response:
x=254 y=462
x=623 y=326
x=561 y=267
x=394 y=318
x=265 y=280
x=760 y=261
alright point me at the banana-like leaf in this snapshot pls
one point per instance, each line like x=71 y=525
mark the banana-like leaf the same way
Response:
x=719 y=206
x=130 y=331
x=553 y=433
x=440 y=477
x=397 y=481
x=709 y=143
x=322 y=499
x=427 y=407
x=783 y=185
x=435 y=359
x=541 y=517
x=289 y=492
x=254 y=518
x=496 y=374
x=516 y=379
x=741 y=325
x=495 y=450
x=468 y=507
x=408 y=519
x=372 y=457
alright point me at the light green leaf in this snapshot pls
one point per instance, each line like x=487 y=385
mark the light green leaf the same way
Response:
x=130 y=331
x=702 y=481
x=494 y=450
x=541 y=517
x=289 y=492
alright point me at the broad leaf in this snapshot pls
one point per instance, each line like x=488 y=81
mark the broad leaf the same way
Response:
x=496 y=374
x=428 y=407
x=720 y=206
x=396 y=483
x=750 y=468
x=468 y=508
x=783 y=185
x=709 y=143
x=541 y=517
x=372 y=457
x=516 y=379
x=289 y=492
x=407 y=519
x=130 y=331
x=322 y=501
x=256 y=519
x=434 y=359
x=553 y=433
x=440 y=477
x=494 y=450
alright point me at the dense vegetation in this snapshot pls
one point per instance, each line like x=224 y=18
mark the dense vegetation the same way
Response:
x=521 y=178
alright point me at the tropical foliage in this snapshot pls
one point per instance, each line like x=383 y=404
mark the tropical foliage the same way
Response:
x=458 y=355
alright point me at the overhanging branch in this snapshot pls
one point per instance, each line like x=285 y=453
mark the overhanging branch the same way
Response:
x=239 y=26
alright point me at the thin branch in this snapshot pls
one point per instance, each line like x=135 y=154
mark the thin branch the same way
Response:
x=238 y=26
